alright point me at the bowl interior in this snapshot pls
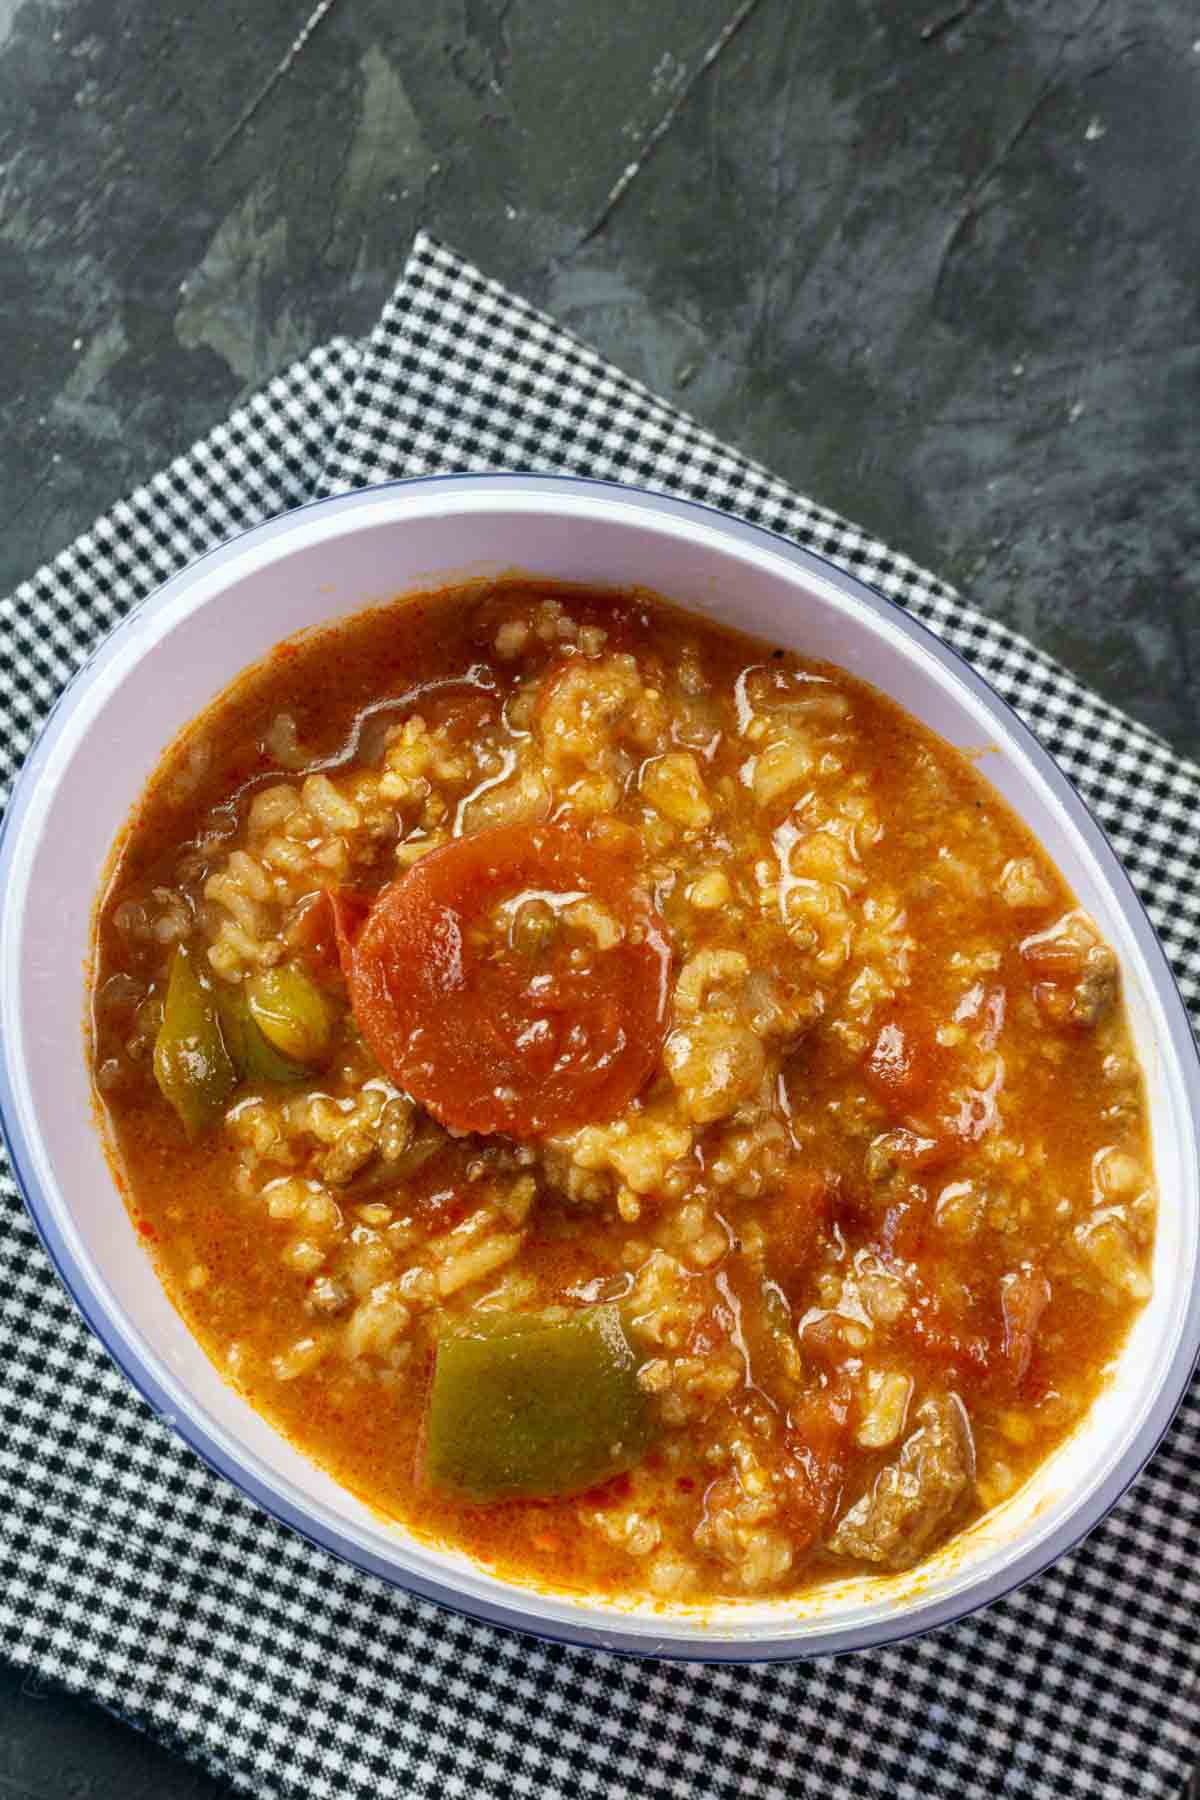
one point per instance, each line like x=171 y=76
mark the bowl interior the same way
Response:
x=171 y=659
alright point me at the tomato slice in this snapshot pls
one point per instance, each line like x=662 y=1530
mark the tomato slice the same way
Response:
x=495 y=1030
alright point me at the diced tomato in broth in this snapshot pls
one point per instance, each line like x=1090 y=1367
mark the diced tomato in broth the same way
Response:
x=813 y=1467
x=1024 y=1297
x=323 y=931
x=799 y=1214
x=900 y=1066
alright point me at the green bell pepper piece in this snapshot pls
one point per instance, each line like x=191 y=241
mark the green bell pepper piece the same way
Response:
x=192 y=1065
x=291 y=1012
x=528 y=1407
x=255 y=1056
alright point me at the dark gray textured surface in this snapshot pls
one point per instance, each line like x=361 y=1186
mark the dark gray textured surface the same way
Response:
x=949 y=286
x=53 y=1747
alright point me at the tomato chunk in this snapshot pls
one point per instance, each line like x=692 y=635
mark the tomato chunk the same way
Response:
x=324 y=929
x=797 y=1219
x=1024 y=1297
x=899 y=1067
x=486 y=995
x=816 y=1451
x=348 y=912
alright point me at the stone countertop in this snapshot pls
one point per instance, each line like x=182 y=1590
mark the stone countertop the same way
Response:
x=938 y=265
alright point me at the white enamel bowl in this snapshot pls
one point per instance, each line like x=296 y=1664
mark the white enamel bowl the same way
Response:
x=180 y=649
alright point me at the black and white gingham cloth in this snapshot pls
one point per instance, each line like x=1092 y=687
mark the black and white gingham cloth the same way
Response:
x=131 y=1573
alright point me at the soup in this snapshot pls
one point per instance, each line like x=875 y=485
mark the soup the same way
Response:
x=628 y=1101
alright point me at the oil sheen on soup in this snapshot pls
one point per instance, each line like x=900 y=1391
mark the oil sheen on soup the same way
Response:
x=629 y=1102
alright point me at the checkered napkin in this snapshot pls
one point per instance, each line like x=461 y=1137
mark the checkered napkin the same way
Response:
x=131 y=1573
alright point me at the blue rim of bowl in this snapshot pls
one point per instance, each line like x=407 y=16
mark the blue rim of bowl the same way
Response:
x=908 y=1622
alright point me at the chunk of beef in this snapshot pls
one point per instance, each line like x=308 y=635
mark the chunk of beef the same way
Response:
x=1075 y=972
x=912 y=1501
x=1096 y=989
